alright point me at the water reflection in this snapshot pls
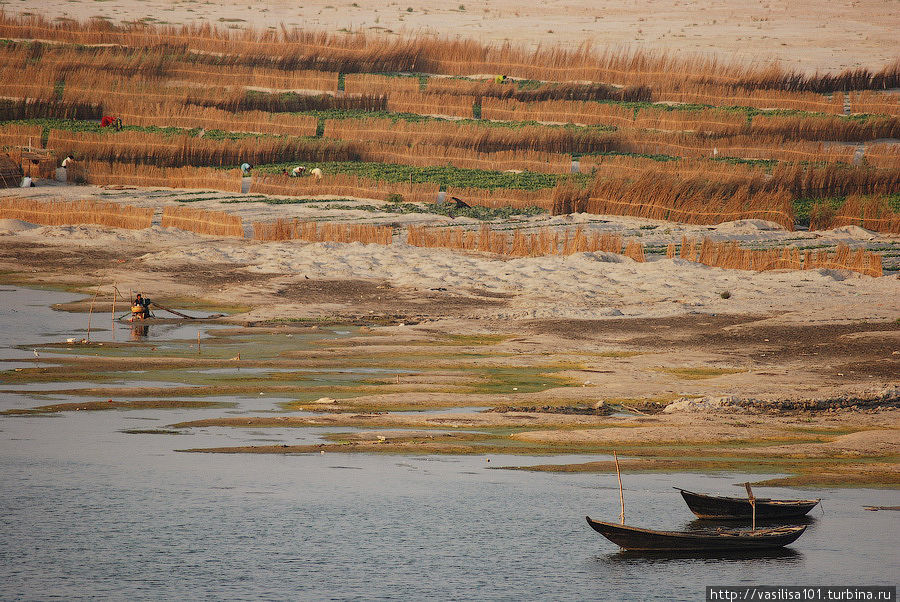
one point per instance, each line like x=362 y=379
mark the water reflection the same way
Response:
x=645 y=558
x=139 y=331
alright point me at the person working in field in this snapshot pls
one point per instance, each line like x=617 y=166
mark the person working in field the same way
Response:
x=68 y=161
x=298 y=171
x=245 y=169
x=140 y=308
x=316 y=173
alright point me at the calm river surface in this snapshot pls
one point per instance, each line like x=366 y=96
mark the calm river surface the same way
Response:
x=89 y=511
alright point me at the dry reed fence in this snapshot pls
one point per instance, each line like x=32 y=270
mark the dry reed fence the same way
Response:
x=516 y=198
x=192 y=116
x=825 y=128
x=294 y=48
x=72 y=213
x=366 y=83
x=285 y=229
x=127 y=62
x=126 y=174
x=344 y=186
x=883 y=155
x=558 y=111
x=176 y=151
x=21 y=135
x=833 y=179
x=694 y=201
x=730 y=255
x=712 y=121
x=519 y=244
x=741 y=146
x=30 y=82
x=468 y=87
x=201 y=221
x=116 y=92
x=424 y=155
x=482 y=138
x=252 y=77
x=431 y=104
x=875 y=102
x=870 y=212
x=630 y=166
x=760 y=99
x=47 y=108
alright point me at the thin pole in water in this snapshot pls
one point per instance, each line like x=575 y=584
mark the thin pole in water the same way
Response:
x=621 y=494
x=752 y=504
x=113 y=314
x=198 y=342
x=91 y=313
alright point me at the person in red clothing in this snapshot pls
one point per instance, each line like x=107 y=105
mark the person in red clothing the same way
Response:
x=107 y=120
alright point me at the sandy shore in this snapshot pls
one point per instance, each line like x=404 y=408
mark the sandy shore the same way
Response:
x=774 y=372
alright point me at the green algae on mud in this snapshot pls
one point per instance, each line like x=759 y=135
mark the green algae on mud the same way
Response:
x=870 y=472
x=92 y=406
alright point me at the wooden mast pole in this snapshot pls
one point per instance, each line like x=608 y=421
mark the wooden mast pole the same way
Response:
x=621 y=494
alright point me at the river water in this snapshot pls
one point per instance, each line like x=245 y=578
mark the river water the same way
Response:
x=89 y=511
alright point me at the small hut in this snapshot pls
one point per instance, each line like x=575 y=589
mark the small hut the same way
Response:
x=10 y=172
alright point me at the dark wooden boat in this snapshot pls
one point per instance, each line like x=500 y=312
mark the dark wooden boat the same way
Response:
x=736 y=508
x=634 y=538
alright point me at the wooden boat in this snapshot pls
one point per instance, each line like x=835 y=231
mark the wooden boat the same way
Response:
x=736 y=508
x=634 y=538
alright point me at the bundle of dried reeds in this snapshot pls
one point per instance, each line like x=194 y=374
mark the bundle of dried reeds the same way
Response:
x=729 y=255
x=875 y=102
x=201 y=221
x=365 y=83
x=558 y=111
x=693 y=201
x=119 y=174
x=825 y=128
x=742 y=97
x=192 y=116
x=883 y=155
x=21 y=135
x=423 y=155
x=431 y=104
x=70 y=213
x=284 y=229
x=711 y=121
x=343 y=185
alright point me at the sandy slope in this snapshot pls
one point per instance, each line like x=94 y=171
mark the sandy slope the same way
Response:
x=806 y=35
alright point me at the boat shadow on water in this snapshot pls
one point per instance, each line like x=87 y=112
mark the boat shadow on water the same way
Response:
x=641 y=556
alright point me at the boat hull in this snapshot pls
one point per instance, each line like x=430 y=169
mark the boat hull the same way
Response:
x=636 y=539
x=734 y=508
